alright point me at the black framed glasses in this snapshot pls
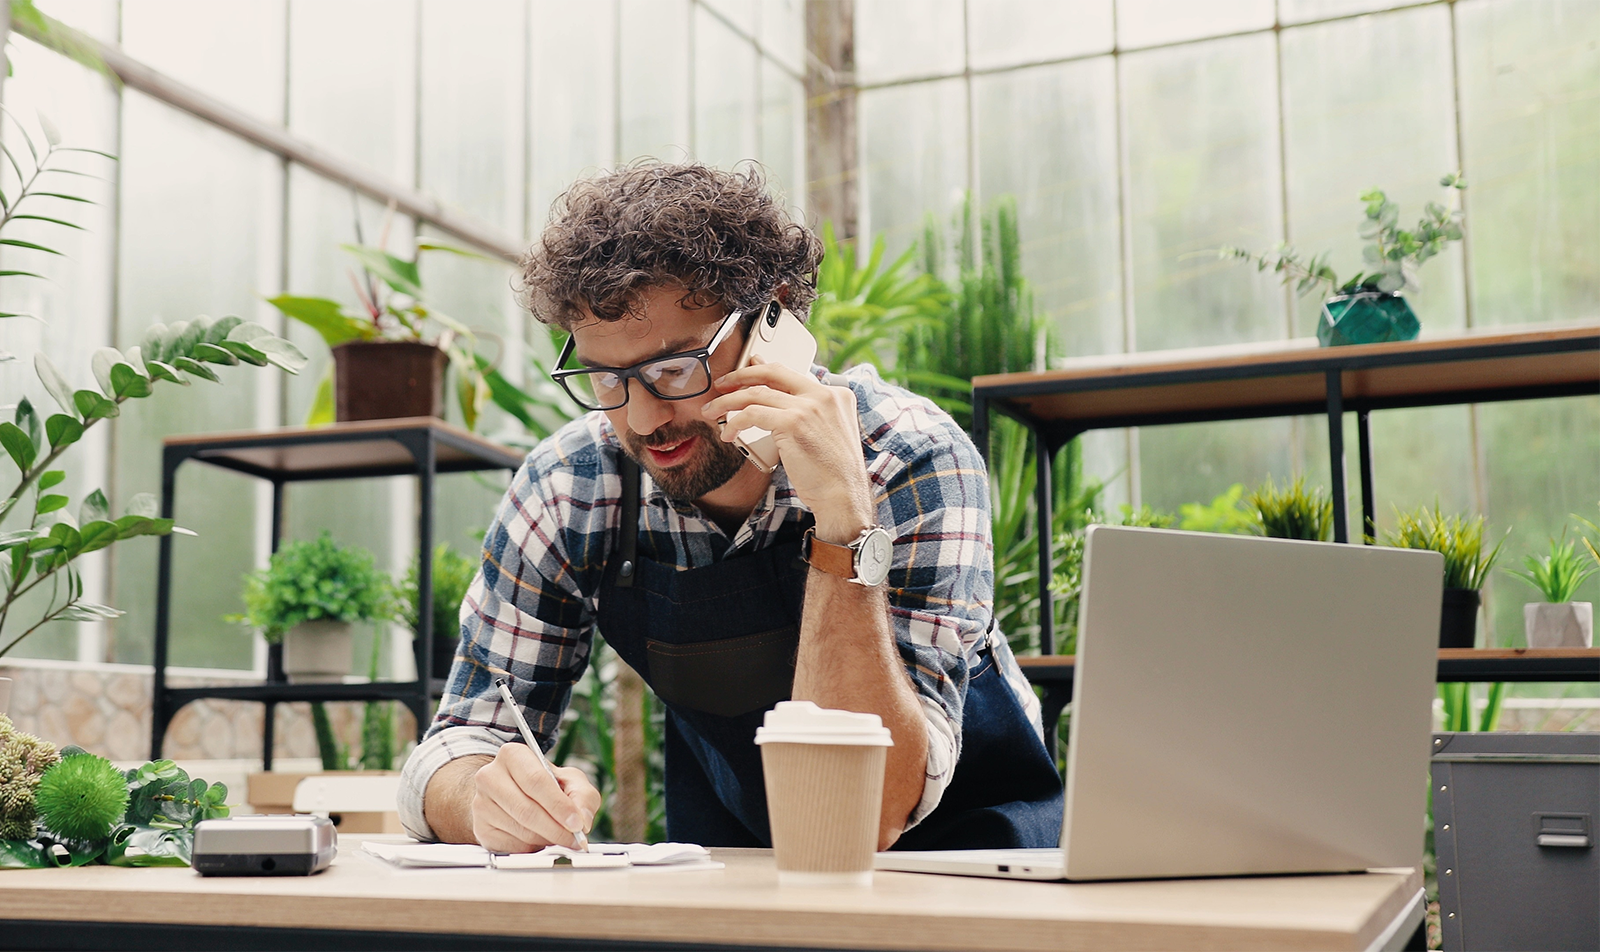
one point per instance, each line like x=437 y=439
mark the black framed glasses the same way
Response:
x=673 y=377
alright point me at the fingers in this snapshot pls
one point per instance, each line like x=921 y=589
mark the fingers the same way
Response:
x=516 y=801
x=575 y=783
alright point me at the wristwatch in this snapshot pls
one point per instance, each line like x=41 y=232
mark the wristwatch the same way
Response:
x=864 y=561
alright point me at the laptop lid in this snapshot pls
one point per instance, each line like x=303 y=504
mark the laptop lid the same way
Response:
x=1246 y=705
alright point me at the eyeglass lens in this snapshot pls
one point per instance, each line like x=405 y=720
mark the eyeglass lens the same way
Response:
x=670 y=378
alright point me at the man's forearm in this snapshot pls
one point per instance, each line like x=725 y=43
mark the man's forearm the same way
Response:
x=447 y=802
x=848 y=660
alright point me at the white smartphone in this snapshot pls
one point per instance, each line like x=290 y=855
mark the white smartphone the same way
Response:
x=778 y=337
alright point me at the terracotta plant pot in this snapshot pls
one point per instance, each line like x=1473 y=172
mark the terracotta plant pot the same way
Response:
x=1458 y=618
x=1559 y=624
x=385 y=380
x=317 y=652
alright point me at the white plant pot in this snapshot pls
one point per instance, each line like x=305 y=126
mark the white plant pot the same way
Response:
x=1559 y=624
x=317 y=652
x=5 y=695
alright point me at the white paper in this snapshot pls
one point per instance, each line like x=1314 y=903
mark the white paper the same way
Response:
x=598 y=856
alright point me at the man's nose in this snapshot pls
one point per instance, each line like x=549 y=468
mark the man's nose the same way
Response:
x=646 y=411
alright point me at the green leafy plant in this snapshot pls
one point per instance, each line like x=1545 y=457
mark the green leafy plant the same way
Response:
x=43 y=550
x=1293 y=512
x=452 y=576
x=377 y=720
x=316 y=580
x=394 y=308
x=23 y=760
x=1392 y=256
x=91 y=813
x=1459 y=539
x=861 y=311
x=81 y=797
x=1557 y=575
x=1226 y=513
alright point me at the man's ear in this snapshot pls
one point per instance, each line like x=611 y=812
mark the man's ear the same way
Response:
x=782 y=294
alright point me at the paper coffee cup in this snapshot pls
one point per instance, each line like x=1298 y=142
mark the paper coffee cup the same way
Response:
x=824 y=778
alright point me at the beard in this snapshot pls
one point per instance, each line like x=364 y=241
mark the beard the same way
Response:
x=713 y=464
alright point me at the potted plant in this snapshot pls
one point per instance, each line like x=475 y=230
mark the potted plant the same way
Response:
x=452 y=575
x=1466 y=565
x=1558 y=622
x=1293 y=512
x=1369 y=308
x=389 y=361
x=308 y=597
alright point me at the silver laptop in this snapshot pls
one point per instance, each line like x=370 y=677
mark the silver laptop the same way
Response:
x=1241 y=706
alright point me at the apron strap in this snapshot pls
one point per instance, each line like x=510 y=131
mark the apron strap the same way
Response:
x=629 y=542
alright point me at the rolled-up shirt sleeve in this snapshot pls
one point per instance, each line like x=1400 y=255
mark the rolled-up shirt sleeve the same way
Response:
x=933 y=494
x=525 y=617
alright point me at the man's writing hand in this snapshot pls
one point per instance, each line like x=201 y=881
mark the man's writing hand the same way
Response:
x=516 y=807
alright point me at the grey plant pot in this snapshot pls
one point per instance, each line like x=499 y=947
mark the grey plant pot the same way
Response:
x=317 y=652
x=5 y=695
x=1559 y=624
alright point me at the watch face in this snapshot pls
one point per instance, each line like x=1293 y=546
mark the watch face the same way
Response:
x=874 y=556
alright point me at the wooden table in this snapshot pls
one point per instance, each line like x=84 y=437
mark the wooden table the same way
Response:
x=1282 y=378
x=362 y=903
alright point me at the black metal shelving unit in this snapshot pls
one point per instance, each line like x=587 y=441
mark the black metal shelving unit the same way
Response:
x=424 y=447
x=1291 y=378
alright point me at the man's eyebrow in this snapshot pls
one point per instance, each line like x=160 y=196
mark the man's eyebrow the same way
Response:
x=676 y=347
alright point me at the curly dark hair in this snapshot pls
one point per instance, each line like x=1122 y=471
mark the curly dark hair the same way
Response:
x=719 y=235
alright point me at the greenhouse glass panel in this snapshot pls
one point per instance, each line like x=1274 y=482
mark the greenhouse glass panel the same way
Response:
x=726 y=93
x=783 y=132
x=783 y=33
x=902 y=39
x=914 y=158
x=1530 y=125
x=1196 y=462
x=1142 y=23
x=574 y=107
x=1369 y=103
x=740 y=14
x=71 y=307
x=1047 y=136
x=1302 y=11
x=1009 y=32
x=656 y=118
x=1201 y=146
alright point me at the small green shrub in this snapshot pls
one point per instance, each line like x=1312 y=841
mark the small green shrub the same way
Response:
x=82 y=797
x=318 y=580
x=1227 y=513
x=1557 y=575
x=1293 y=512
x=1459 y=539
x=452 y=576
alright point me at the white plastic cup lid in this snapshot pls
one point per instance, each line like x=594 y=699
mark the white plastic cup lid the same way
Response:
x=802 y=722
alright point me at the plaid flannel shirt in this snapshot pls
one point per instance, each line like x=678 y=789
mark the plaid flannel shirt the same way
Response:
x=531 y=609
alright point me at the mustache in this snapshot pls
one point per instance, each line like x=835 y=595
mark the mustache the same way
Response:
x=667 y=437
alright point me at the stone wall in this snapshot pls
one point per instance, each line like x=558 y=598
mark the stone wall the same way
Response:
x=105 y=709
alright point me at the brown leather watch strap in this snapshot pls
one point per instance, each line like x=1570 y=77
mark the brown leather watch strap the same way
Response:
x=829 y=557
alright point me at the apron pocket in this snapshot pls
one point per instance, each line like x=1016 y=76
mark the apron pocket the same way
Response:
x=729 y=677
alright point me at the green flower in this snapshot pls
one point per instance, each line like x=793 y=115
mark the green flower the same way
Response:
x=82 y=797
x=23 y=760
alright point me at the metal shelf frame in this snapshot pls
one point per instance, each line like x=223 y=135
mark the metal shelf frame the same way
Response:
x=423 y=447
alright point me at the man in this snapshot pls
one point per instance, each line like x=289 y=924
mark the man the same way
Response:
x=728 y=589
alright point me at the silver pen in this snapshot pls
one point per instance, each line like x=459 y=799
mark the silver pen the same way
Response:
x=579 y=838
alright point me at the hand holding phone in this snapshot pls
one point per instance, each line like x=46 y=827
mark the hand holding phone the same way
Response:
x=777 y=337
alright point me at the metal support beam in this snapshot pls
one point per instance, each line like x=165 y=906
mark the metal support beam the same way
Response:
x=1369 y=511
x=273 y=138
x=831 y=158
x=1044 y=452
x=1341 y=518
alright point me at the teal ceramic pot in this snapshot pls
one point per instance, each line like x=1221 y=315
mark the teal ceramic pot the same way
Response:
x=1366 y=317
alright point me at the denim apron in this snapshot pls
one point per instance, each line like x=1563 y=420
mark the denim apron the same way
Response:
x=717 y=645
